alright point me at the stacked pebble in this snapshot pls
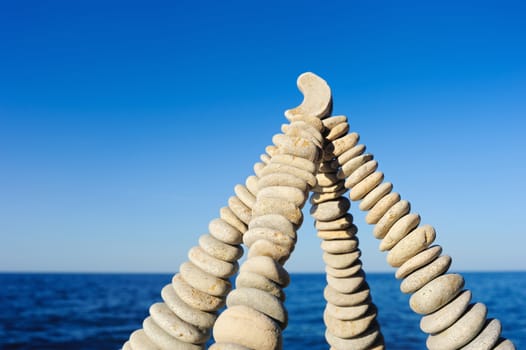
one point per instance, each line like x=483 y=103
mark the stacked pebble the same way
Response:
x=449 y=318
x=255 y=314
x=185 y=319
x=350 y=315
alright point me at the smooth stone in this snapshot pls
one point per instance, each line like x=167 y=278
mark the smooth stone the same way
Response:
x=347 y=156
x=220 y=250
x=347 y=312
x=267 y=267
x=127 y=346
x=361 y=342
x=277 y=168
x=243 y=212
x=264 y=247
x=361 y=173
x=318 y=198
x=353 y=164
x=328 y=189
x=345 y=272
x=282 y=179
x=228 y=346
x=504 y=344
x=338 y=131
x=312 y=121
x=247 y=327
x=447 y=315
x=289 y=210
x=375 y=195
x=251 y=183
x=330 y=210
x=194 y=297
x=317 y=99
x=269 y=234
x=162 y=339
x=336 y=224
x=139 y=340
x=271 y=150
x=204 y=281
x=347 y=233
x=341 y=261
x=422 y=276
x=393 y=214
x=351 y=299
x=333 y=121
x=291 y=194
x=247 y=279
x=487 y=338
x=399 y=229
x=346 y=285
x=228 y=215
x=436 y=293
x=340 y=246
x=300 y=129
x=260 y=301
x=175 y=327
x=224 y=232
x=419 y=260
x=265 y=158
x=349 y=328
x=326 y=179
x=258 y=168
x=412 y=244
x=381 y=207
x=297 y=162
x=296 y=146
x=338 y=146
x=193 y=316
x=274 y=221
x=325 y=167
x=365 y=186
x=211 y=265
x=244 y=195
x=465 y=329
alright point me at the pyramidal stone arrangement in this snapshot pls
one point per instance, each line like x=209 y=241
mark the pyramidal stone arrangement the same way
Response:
x=314 y=154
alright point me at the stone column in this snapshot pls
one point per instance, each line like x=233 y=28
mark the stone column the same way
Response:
x=350 y=314
x=255 y=315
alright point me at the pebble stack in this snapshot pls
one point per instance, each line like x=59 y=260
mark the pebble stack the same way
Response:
x=449 y=317
x=350 y=314
x=255 y=316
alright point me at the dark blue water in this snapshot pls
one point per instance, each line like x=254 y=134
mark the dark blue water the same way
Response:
x=98 y=311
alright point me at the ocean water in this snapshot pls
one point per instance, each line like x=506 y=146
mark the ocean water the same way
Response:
x=99 y=311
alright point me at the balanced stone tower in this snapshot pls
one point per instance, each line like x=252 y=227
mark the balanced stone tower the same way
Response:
x=314 y=154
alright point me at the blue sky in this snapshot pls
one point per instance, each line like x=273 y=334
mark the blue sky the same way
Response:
x=124 y=126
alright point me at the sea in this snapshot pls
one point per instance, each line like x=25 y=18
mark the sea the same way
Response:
x=99 y=311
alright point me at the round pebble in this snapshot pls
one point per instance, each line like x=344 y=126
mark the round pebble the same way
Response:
x=195 y=317
x=345 y=272
x=461 y=332
x=346 y=285
x=265 y=206
x=436 y=293
x=224 y=232
x=220 y=250
x=296 y=146
x=381 y=207
x=347 y=312
x=412 y=244
x=349 y=328
x=392 y=215
x=399 y=229
x=327 y=179
x=277 y=168
x=270 y=234
x=487 y=338
x=204 y=281
x=340 y=246
x=282 y=179
x=251 y=183
x=297 y=162
x=291 y=194
x=162 y=339
x=260 y=301
x=338 y=131
x=375 y=195
x=194 y=297
x=341 y=261
x=330 y=210
x=336 y=224
x=422 y=276
x=263 y=247
x=211 y=265
x=228 y=215
x=139 y=340
x=353 y=164
x=247 y=279
x=317 y=197
x=274 y=221
x=419 y=260
x=447 y=315
x=504 y=344
x=347 y=233
x=348 y=155
x=328 y=189
x=267 y=267
x=338 y=146
x=366 y=185
x=244 y=195
x=243 y=212
x=361 y=342
x=341 y=299
x=361 y=173
x=176 y=327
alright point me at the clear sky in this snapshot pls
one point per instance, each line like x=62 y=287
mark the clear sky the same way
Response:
x=124 y=126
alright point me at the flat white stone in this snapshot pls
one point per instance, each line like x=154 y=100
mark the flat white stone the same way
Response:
x=412 y=244
x=361 y=173
x=436 y=293
x=350 y=299
x=204 y=281
x=399 y=229
x=297 y=162
x=347 y=312
x=349 y=328
x=278 y=168
x=392 y=215
x=300 y=129
x=340 y=246
x=247 y=327
x=317 y=198
x=461 y=332
x=345 y=272
x=274 y=221
x=246 y=279
x=337 y=131
x=267 y=267
x=291 y=194
x=296 y=146
x=327 y=189
x=346 y=285
x=271 y=150
x=220 y=250
x=289 y=210
x=341 y=261
x=366 y=185
x=339 y=146
x=330 y=210
x=194 y=297
x=505 y=344
x=361 y=342
x=381 y=207
x=327 y=179
x=258 y=168
x=139 y=340
x=347 y=233
x=243 y=212
x=282 y=179
x=487 y=338
x=162 y=339
x=348 y=155
x=211 y=265
x=263 y=247
x=447 y=315
x=195 y=317
x=224 y=232
x=375 y=195
x=353 y=164
x=269 y=234
x=422 y=276
x=228 y=215
x=336 y=224
x=260 y=301
x=244 y=195
x=333 y=121
x=176 y=327
x=265 y=158
x=419 y=260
